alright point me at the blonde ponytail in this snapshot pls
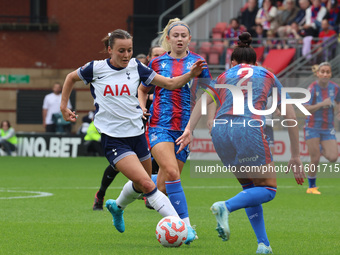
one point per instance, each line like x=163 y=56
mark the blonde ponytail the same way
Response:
x=315 y=69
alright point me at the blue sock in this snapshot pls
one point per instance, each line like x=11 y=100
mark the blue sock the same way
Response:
x=177 y=197
x=255 y=216
x=250 y=198
x=312 y=181
x=154 y=178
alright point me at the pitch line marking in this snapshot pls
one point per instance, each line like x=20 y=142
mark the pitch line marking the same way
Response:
x=37 y=194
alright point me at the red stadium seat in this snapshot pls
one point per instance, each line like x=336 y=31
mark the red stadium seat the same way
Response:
x=277 y=60
x=214 y=59
x=220 y=27
x=204 y=55
x=217 y=47
x=259 y=53
x=216 y=37
x=211 y=52
x=192 y=46
x=205 y=47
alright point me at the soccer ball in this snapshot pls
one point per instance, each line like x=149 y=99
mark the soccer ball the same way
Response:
x=171 y=231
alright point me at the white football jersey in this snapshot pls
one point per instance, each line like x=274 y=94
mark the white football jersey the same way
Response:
x=114 y=90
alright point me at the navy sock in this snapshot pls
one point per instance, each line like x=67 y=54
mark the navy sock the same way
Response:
x=108 y=177
x=155 y=166
x=177 y=197
x=312 y=181
x=255 y=216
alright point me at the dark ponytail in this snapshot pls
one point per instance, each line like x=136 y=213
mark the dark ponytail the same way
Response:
x=244 y=53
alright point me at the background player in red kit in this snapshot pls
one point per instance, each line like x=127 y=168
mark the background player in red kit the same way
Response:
x=319 y=127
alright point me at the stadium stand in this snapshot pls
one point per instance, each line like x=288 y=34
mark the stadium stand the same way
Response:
x=220 y=27
x=204 y=49
x=193 y=46
x=284 y=55
x=259 y=53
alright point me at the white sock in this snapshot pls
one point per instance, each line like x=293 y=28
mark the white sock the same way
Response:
x=161 y=203
x=127 y=195
x=187 y=221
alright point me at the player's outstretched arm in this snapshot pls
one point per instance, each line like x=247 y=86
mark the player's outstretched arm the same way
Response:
x=295 y=162
x=179 y=81
x=195 y=116
x=142 y=97
x=184 y=139
x=211 y=114
x=314 y=107
x=70 y=80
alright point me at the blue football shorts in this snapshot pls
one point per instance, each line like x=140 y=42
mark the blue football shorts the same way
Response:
x=240 y=145
x=117 y=148
x=158 y=135
x=323 y=134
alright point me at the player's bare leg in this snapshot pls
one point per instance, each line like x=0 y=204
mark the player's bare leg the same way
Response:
x=315 y=154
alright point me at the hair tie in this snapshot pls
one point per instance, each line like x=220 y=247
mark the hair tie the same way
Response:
x=324 y=64
x=181 y=24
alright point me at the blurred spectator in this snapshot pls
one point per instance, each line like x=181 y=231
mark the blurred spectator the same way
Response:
x=248 y=16
x=288 y=15
x=8 y=139
x=327 y=36
x=61 y=125
x=326 y=32
x=279 y=5
x=300 y=19
x=86 y=121
x=51 y=106
x=314 y=16
x=294 y=35
x=325 y=2
x=333 y=8
x=266 y=15
x=259 y=4
x=92 y=142
x=232 y=32
x=272 y=42
x=142 y=58
x=301 y=16
x=260 y=35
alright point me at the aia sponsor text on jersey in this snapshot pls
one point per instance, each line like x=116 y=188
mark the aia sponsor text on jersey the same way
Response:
x=116 y=90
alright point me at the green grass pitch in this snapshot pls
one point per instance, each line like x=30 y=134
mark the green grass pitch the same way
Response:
x=64 y=223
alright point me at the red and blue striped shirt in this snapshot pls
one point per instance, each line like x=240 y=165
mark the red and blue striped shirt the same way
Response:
x=171 y=109
x=324 y=117
x=262 y=83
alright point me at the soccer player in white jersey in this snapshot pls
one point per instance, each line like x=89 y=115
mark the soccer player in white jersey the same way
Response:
x=118 y=117
x=110 y=172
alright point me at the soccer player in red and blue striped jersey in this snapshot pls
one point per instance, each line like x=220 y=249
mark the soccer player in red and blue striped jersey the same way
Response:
x=243 y=143
x=170 y=113
x=319 y=127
